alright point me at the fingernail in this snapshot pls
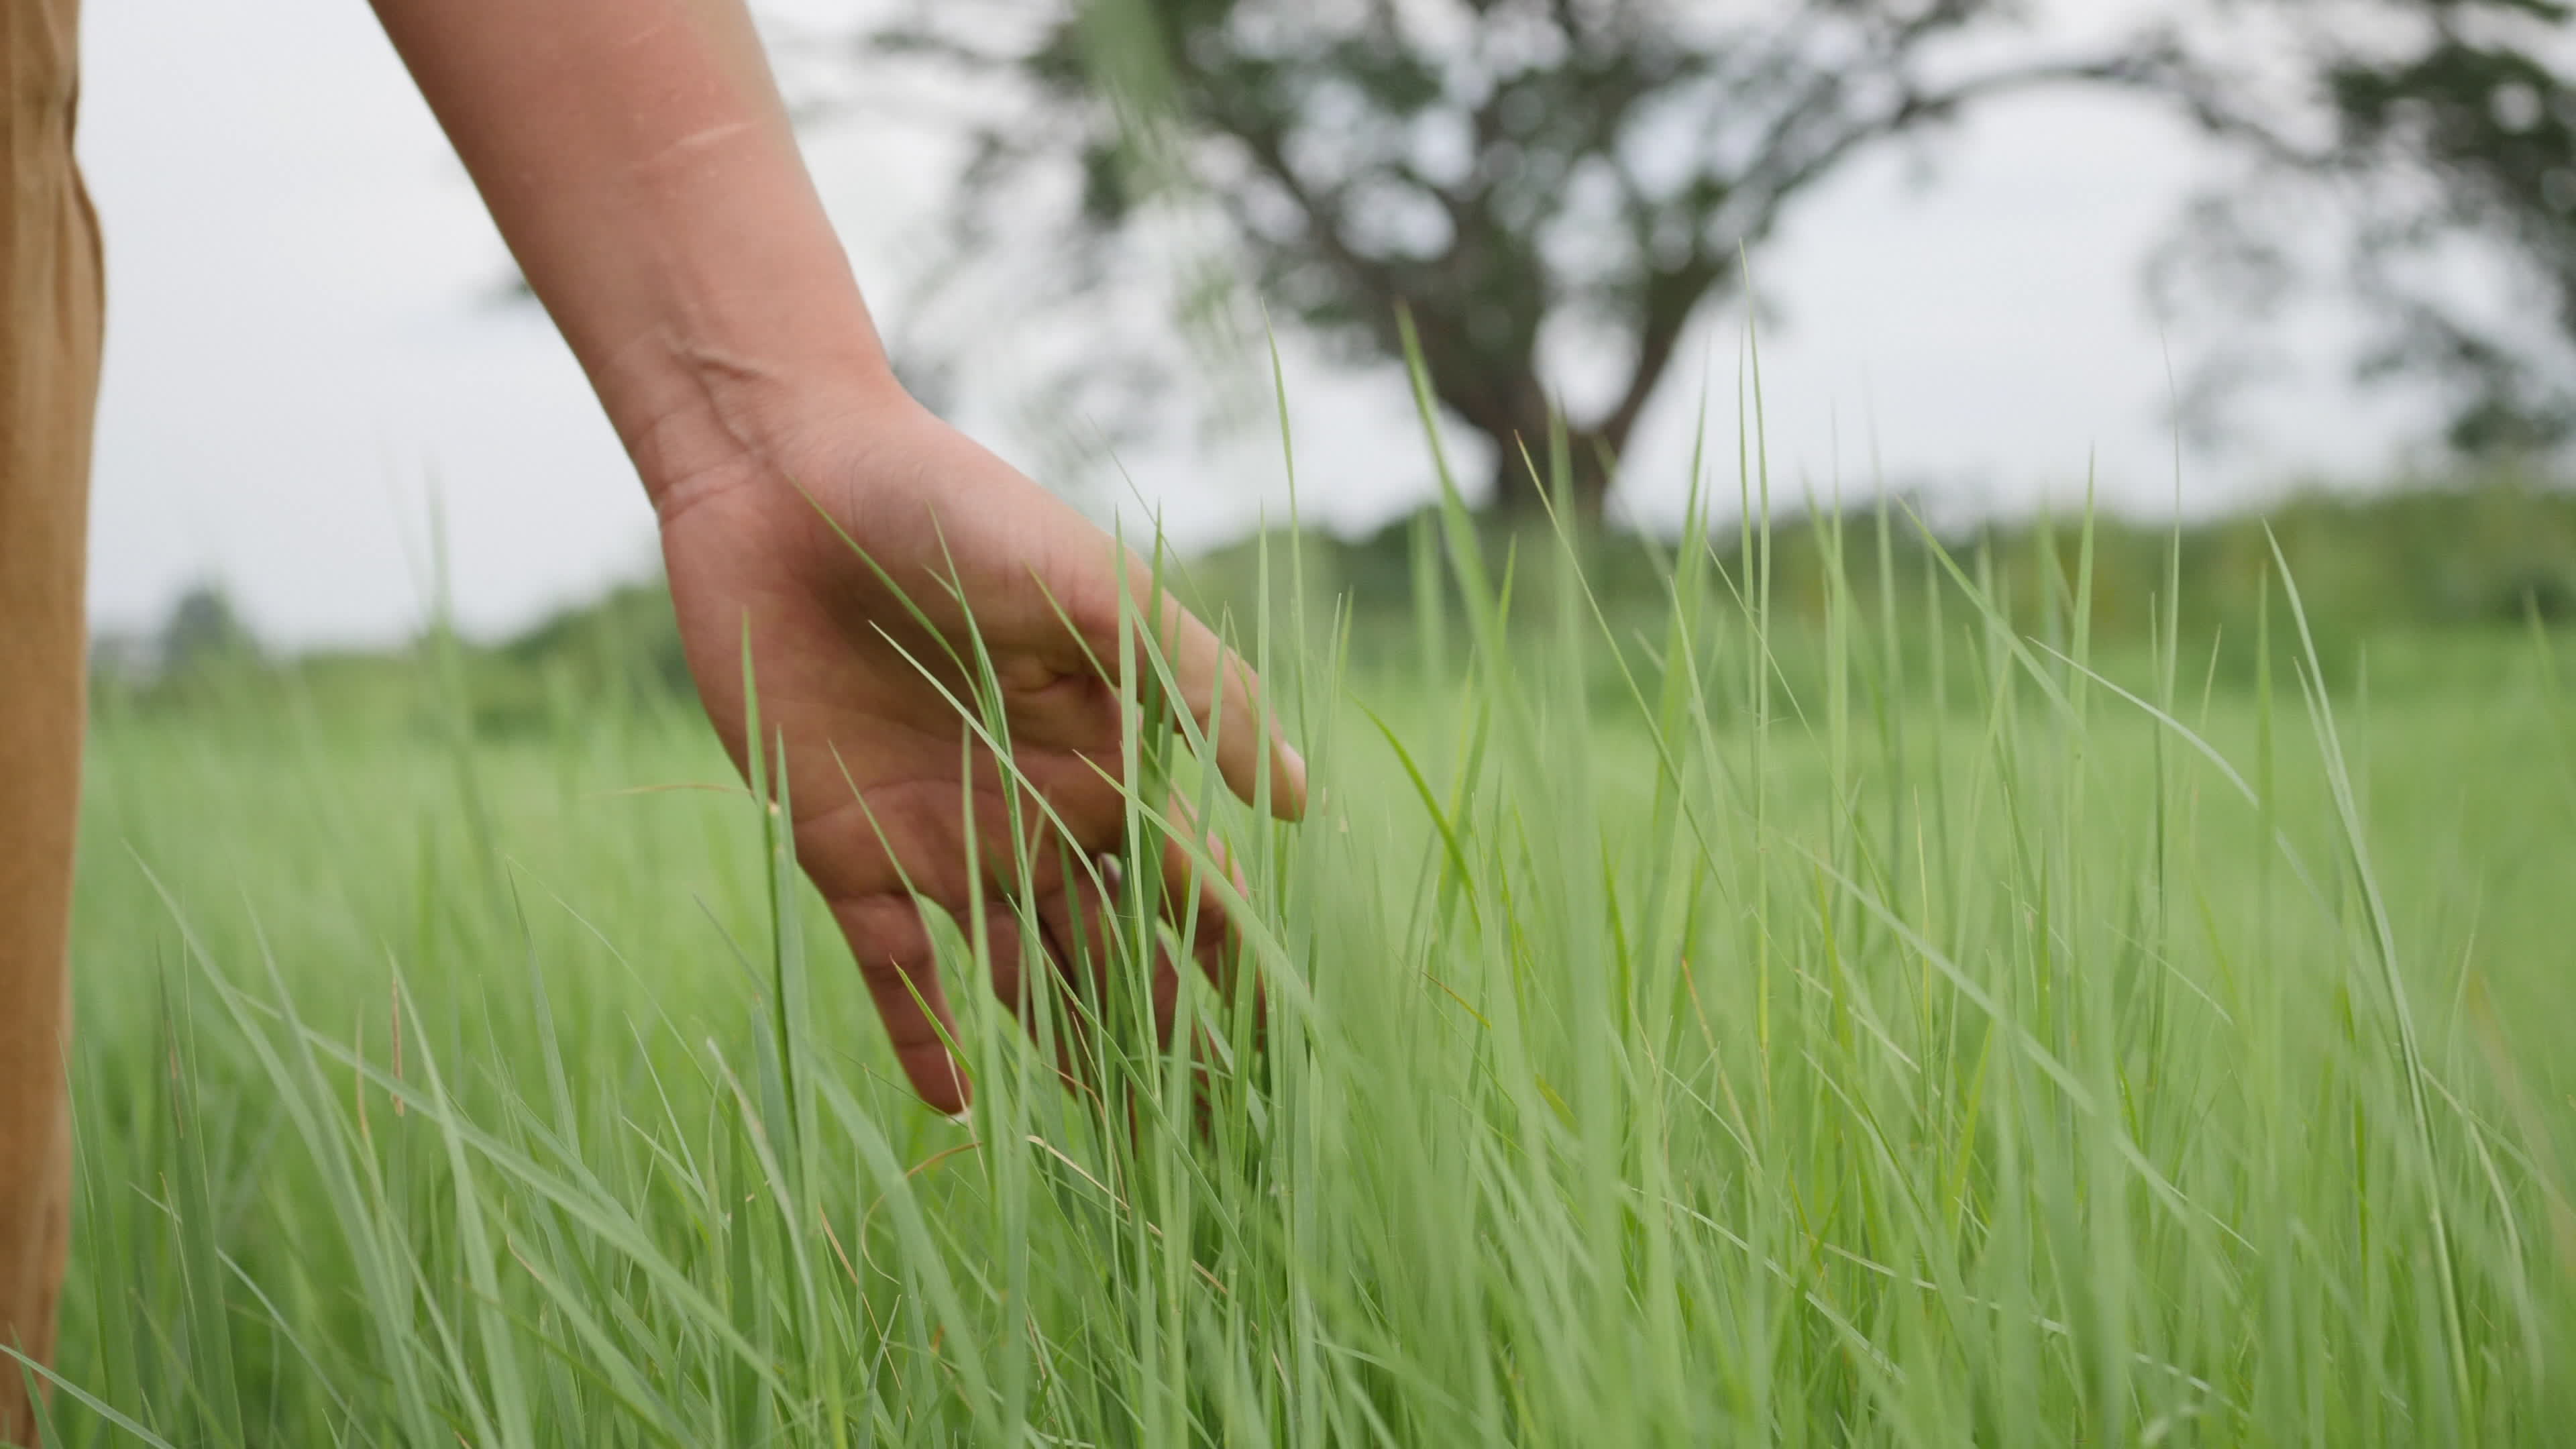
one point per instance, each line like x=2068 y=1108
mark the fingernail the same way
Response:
x=963 y=1118
x=1296 y=761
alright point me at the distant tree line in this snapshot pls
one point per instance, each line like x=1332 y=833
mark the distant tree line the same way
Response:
x=202 y=632
x=2490 y=556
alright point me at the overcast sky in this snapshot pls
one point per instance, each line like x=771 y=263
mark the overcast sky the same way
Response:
x=302 y=353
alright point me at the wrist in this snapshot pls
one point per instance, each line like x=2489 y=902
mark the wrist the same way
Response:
x=699 y=416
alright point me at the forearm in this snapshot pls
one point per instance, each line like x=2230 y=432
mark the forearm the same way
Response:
x=640 y=164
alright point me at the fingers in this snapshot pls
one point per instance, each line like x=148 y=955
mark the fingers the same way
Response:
x=1054 y=1027
x=901 y=968
x=1220 y=691
x=935 y=839
x=1073 y=910
x=1197 y=911
x=1080 y=922
x=1084 y=931
x=1194 y=906
x=1088 y=941
x=898 y=962
x=1223 y=694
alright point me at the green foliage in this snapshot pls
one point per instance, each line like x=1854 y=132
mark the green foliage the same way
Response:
x=2434 y=580
x=1511 y=175
x=2490 y=118
x=1858 y=1031
x=1533 y=182
x=204 y=631
x=616 y=656
x=2413 y=570
x=2432 y=163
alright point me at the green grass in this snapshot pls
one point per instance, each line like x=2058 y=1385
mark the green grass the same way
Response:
x=1875 y=1027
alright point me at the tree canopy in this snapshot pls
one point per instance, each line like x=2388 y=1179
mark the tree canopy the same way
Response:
x=2464 y=134
x=1533 y=180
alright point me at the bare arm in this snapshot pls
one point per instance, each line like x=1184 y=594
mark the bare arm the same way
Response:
x=640 y=164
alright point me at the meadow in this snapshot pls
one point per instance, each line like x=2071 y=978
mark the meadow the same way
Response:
x=1919 y=1018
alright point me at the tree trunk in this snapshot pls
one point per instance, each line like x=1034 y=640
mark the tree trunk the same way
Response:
x=1504 y=399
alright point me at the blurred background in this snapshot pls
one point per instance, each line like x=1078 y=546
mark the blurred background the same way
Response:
x=2313 y=260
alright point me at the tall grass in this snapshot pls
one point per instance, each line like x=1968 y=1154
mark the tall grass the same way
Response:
x=1791 y=1043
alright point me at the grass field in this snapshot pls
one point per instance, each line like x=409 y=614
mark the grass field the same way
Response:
x=1882 y=1029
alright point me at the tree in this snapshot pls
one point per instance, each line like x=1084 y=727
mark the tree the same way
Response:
x=1531 y=181
x=204 y=629
x=2432 y=143
x=1526 y=179
x=2466 y=135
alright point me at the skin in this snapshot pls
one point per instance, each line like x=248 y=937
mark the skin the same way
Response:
x=640 y=164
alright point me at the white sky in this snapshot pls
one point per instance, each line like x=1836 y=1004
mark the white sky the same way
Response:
x=301 y=354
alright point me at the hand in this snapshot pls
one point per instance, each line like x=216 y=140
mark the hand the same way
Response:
x=876 y=756
x=637 y=157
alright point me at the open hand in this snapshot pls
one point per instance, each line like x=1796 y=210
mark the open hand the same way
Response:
x=851 y=673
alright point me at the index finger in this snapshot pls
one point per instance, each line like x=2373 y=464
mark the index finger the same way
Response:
x=1223 y=695
x=1219 y=690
